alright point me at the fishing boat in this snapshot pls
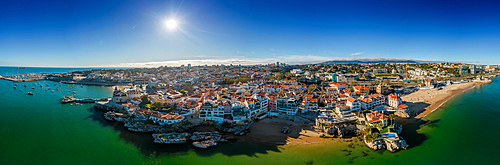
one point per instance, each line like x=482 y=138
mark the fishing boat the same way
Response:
x=30 y=93
x=33 y=88
x=74 y=91
x=24 y=85
x=52 y=91
x=15 y=84
x=14 y=87
x=21 y=90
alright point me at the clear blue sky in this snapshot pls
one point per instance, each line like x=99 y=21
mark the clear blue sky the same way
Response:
x=95 y=33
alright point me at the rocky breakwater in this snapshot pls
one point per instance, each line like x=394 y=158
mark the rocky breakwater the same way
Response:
x=170 y=138
x=207 y=139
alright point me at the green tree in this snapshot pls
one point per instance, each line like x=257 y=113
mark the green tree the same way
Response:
x=157 y=105
x=144 y=99
x=391 y=119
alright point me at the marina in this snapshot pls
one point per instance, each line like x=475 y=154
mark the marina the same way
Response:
x=71 y=99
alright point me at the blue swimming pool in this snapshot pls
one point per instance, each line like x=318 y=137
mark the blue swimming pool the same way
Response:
x=389 y=135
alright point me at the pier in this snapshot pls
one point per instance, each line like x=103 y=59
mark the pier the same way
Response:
x=71 y=99
x=23 y=78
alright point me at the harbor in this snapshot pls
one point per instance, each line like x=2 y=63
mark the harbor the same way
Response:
x=71 y=99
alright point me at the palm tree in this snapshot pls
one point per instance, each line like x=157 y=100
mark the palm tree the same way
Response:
x=391 y=119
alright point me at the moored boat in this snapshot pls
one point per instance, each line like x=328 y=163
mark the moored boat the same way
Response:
x=30 y=93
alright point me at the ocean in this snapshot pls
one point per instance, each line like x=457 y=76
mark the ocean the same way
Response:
x=38 y=129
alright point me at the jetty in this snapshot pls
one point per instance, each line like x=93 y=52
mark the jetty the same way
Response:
x=71 y=99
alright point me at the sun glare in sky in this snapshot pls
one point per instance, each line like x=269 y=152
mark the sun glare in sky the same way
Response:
x=171 y=24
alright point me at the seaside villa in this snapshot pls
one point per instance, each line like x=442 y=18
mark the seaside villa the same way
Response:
x=375 y=117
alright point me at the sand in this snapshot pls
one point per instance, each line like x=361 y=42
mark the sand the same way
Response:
x=268 y=131
x=423 y=102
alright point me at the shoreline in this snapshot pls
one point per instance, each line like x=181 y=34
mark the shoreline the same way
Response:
x=267 y=131
x=459 y=92
x=424 y=102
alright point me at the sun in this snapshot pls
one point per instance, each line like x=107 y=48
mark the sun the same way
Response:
x=171 y=24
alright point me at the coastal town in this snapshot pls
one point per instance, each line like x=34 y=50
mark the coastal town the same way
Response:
x=274 y=103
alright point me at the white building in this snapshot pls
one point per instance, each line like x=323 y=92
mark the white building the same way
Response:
x=354 y=104
x=287 y=106
x=344 y=111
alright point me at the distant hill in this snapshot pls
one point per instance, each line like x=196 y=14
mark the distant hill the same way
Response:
x=372 y=60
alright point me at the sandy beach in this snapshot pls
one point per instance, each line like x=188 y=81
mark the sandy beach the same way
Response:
x=268 y=131
x=423 y=102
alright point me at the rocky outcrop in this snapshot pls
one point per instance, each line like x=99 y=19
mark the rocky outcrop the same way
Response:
x=141 y=127
x=376 y=144
x=389 y=145
x=286 y=129
x=170 y=138
x=205 y=144
x=206 y=139
x=402 y=114
x=398 y=128
x=395 y=146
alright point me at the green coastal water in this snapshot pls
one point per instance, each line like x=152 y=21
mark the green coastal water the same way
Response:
x=39 y=130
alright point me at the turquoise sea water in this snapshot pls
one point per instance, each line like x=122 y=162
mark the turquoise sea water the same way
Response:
x=39 y=130
x=27 y=70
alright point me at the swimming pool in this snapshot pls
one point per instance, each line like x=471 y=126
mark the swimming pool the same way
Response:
x=389 y=135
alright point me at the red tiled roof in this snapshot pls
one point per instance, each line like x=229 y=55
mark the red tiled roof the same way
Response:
x=402 y=106
x=351 y=99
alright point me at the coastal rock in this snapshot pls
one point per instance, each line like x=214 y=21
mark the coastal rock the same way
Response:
x=340 y=132
x=402 y=114
x=286 y=130
x=395 y=146
x=169 y=138
x=205 y=144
